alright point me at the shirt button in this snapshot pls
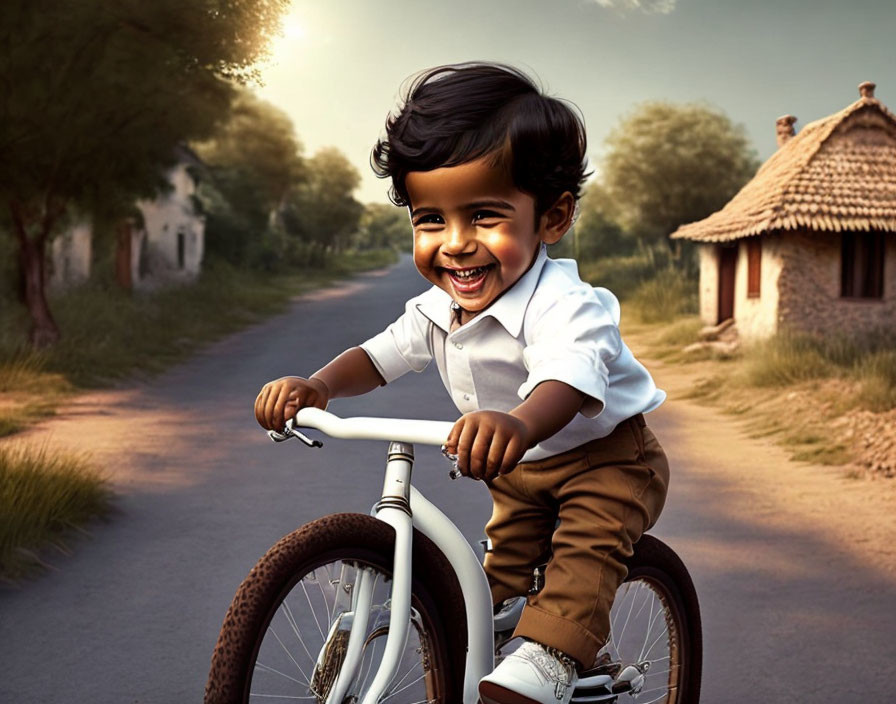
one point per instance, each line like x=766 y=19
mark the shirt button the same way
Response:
x=458 y=345
x=466 y=397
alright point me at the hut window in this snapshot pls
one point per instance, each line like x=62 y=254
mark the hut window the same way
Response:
x=754 y=266
x=862 y=270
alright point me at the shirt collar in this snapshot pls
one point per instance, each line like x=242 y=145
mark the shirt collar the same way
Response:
x=509 y=309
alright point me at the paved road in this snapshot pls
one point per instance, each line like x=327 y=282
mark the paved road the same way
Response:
x=132 y=615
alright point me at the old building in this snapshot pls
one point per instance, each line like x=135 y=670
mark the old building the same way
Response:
x=809 y=244
x=166 y=243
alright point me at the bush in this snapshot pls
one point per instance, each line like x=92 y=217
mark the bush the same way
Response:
x=44 y=498
x=664 y=297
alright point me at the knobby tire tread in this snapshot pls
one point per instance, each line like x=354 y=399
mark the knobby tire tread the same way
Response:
x=258 y=596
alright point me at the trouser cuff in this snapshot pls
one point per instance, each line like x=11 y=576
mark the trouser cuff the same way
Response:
x=560 y=633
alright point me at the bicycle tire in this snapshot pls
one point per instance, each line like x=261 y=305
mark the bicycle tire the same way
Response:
x=656 y=569
x=362 y=543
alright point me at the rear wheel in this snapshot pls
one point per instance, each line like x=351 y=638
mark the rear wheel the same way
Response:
x=285 y=635
x=655 y=651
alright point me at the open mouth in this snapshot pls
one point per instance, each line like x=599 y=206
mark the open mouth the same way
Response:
x=469 y=280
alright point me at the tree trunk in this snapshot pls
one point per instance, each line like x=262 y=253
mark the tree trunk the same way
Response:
x=44 y=331
x=123 y=254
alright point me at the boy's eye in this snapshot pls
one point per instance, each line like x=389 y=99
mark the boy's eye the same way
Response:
x=481 y=215
x=428 y=219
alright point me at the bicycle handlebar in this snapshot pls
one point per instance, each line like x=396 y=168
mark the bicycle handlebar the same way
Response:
x=426 y=432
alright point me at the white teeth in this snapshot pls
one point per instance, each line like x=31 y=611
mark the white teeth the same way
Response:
x=468 y=273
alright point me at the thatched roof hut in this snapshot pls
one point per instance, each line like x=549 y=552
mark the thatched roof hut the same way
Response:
x=808 y=243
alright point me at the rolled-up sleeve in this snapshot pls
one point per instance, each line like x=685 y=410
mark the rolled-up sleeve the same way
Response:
x=572 y=340
x=402 y=347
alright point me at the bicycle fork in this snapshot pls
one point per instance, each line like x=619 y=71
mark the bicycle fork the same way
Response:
x=394 y=508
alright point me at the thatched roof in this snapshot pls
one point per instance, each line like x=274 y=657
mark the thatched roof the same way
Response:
x=838 y=173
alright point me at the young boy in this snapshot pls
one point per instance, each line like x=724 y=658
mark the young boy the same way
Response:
x=552 y=400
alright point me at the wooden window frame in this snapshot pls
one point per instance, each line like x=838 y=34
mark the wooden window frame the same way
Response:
x=862 y=257
x=754 y=267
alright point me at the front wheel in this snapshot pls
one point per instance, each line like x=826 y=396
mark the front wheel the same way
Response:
x=285 y=635
x=655 y=651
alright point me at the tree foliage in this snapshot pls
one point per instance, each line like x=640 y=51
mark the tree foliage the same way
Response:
x=323 y=210
x=255 y=162
x=96 y=95
x=597 y=232
x=670 y=164
x=384 y=225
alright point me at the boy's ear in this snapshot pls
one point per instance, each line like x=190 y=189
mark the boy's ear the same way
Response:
x=557 y=219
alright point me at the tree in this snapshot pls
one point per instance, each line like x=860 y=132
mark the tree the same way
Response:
x=597 y=232
x=672 y=164
x=324 y=210
x=95 y=97
x=384 y=225
x=255 y=161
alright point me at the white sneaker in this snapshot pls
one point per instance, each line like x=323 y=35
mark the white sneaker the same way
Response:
x=532 y=674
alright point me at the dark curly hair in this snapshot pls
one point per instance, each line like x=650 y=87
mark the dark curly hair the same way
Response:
x=454 y=114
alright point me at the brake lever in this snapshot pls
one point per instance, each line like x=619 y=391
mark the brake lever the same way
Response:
x=454 y=473
x=290 y=432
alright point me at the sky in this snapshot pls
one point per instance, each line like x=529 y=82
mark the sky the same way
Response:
x=338 y=68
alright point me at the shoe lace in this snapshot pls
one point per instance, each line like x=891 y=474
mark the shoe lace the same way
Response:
x=556 y=665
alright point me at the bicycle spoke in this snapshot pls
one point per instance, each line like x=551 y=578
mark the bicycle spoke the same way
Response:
x=307 y=681
x=664 y=633
x=311 y=609
x=648 y=629
x=369 y=664
x=280 y=668
x=295 y=629
x=397 y=691
x=267 y=668
x=625 y=625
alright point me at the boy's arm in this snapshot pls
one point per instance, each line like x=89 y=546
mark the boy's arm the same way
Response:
x=350 y=374
x=548 y=409
x=488 y=443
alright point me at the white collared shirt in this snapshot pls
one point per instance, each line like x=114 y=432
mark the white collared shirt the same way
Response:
x=550 y=325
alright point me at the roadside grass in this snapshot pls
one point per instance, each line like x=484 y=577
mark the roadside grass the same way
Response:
x=793 y=388
x=654 y=286
x=46 y=497
x=109 y=335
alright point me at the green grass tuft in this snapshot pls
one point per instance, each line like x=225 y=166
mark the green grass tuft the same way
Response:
x=877 y=376
x=669 y=295
x=45 y=497
x=783 y=360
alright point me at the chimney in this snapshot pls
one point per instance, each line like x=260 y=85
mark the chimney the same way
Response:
x=866 y=89
x=784 y=128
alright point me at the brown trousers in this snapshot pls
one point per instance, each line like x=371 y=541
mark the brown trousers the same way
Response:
x=606 y=493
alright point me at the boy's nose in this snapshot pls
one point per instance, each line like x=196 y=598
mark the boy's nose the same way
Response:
x=458 y=240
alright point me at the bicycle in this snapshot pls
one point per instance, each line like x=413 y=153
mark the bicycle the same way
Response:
x=395 y=606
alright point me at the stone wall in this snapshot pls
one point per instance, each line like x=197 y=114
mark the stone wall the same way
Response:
x=809 y=287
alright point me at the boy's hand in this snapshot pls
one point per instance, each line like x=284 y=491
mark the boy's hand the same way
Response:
x=282 y=398
x=487 y=443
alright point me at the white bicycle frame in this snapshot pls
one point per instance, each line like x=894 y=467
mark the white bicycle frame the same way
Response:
x=404 y=508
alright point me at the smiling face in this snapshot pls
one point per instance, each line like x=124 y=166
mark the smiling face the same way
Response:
x=475 y=232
